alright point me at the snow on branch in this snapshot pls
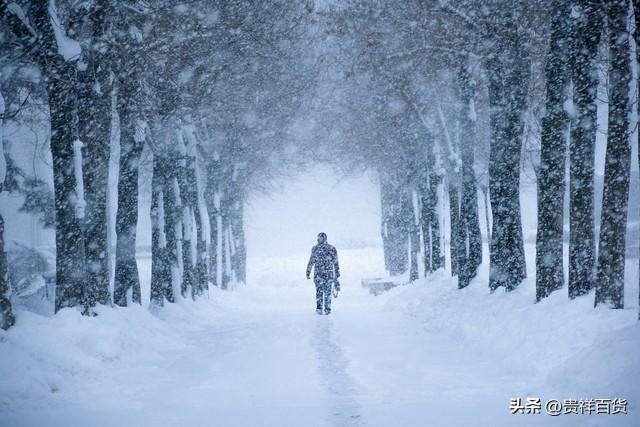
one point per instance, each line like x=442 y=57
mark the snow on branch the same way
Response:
x=17 y=11
x=453 y=157
x=69 y=48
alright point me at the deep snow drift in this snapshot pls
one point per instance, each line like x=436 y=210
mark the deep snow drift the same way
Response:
x=421 y=354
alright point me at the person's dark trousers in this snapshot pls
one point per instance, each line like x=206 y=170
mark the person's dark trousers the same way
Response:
x=323 y=294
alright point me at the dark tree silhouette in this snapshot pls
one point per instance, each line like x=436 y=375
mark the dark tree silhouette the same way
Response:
x=470 y=240
x=551 y=172
x=509 y=72
x=587 y=27
x=615 y=199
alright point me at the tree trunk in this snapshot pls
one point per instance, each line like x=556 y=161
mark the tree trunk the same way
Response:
x=94 y=131
x=509 y=72
x=95 y=134
x=398 y=231
x=201 y=273
x=161 y=286
x=586 y=33
x=173 y=228
x=487 y=218
x=397 y=218
x=425 y=223
x=6 y=314
x=414 y=237
x=470 y=240
x=194 y=243
x=429 y=215
x=611 y=249
x=70 y=245
x=425 y=220
x=549 y=242
x=454 y=221
x=225 y=250
x=434 y=181
x=385 y=203
x=212 y=201
x=188 y=265
x=237 y=224
x=636 y=10
x=131 y=145
x=94 y=126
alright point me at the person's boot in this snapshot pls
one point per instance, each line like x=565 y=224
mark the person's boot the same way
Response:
x=327 y=311
x=319 y=310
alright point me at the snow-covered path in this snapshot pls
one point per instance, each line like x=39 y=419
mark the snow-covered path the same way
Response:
x=261 y=356
x=271 y=360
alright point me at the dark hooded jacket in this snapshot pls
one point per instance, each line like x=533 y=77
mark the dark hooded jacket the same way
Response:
x=325 y=259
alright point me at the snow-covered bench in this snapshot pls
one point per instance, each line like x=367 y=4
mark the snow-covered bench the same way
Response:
x=379 y=285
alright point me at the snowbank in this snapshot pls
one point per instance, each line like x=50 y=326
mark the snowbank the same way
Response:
x=565 y=347
x=49 y=360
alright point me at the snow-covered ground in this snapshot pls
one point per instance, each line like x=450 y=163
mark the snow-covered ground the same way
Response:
x=422 y=354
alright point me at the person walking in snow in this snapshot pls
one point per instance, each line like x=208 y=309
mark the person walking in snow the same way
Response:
x=324 y=258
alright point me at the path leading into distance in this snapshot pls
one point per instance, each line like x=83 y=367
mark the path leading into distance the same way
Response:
x=263 y=357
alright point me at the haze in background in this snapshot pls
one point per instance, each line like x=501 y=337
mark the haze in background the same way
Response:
x=287 y=222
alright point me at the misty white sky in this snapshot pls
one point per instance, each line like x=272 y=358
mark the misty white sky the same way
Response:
x=287 y=222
